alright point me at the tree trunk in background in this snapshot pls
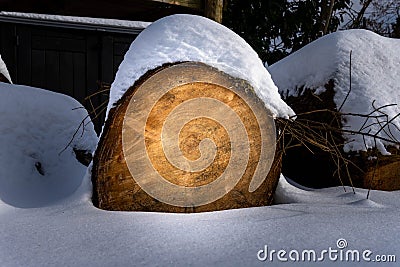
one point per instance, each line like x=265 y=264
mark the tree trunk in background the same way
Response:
x=213 y=9
x=326 y=14
x=357 y=22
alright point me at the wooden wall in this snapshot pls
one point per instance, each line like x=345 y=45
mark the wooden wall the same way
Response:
x=67 y=61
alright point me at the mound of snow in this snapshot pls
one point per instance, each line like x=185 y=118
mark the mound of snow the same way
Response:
x=3 y=69
x=180 y=38
x=36 y=125
x=375 y=72
x=288 y=192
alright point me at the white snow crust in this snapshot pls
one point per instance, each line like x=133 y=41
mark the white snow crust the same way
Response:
x=180 y=38
x=75 y=19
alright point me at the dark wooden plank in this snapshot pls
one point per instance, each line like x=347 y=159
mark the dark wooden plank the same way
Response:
x=53 y=71
x=79 y=63
x=107 y=64
x=58 y=32
x=117 y=62
x=58 y=44
x=23 y=56
x=93 y=61
x=67 y=73
x=92 y=77
x=38 y=68
x=120 y=48
x=106 y=76
x=8 y=47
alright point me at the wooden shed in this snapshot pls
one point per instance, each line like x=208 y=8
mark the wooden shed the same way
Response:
x=69 y=53
x=66 y=57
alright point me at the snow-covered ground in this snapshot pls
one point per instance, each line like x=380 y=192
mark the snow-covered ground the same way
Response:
x=74 y=233
x=3 y=69
x=375 y=76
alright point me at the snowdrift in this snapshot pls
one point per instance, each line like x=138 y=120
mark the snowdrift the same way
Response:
x=355 y=75
x=375 y=73
x=36 y=125
x=77 y=234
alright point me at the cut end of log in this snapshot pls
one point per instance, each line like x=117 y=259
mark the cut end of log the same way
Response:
x=186 y=138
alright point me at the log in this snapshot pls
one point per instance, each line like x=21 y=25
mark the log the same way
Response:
x=379 y=172
x=186 y=138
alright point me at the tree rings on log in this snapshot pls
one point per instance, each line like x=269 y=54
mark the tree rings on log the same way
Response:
x=186 y=138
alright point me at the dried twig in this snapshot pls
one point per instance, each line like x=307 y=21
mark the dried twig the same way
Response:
x=93 y=114
x=313 y=135
x=348 y=93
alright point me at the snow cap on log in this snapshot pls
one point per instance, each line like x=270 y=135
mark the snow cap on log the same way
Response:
x=375 y=75
x=181 y=38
